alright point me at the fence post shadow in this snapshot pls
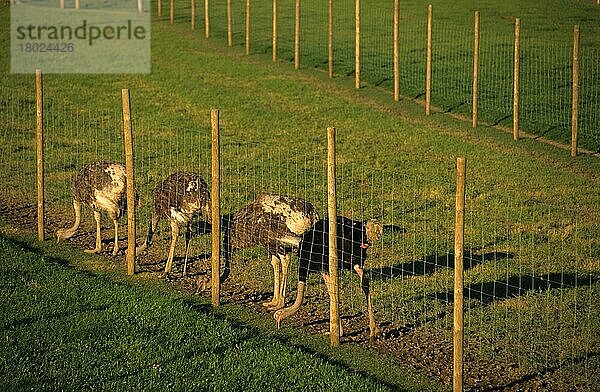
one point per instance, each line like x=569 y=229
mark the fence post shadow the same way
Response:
x=433 y=263
x=518 y=285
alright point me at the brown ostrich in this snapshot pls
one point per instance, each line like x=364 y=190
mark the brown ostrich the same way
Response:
x=276 y=223
x=180 y=198
x=102 y=186
x=353 y=240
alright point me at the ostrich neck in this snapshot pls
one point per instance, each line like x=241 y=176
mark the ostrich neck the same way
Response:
x=70 y=232
x=287 y=312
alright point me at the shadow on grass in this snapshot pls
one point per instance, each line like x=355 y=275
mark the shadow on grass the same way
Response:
x=532 y=376
x=53 y=316
x=433 y=263
x=515 y=286
x=158 y=265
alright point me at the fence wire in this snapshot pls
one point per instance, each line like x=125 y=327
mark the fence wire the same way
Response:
x=18 y=150
x=546 y=66
x=531 y=280
x=531 y=258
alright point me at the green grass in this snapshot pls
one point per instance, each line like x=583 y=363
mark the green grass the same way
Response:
x=532 y=226
x=546 y=53
x=66 y=328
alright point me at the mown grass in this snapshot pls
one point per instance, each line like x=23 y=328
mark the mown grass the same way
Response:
x=546 y=53
x=532 y=225
x=66 y=328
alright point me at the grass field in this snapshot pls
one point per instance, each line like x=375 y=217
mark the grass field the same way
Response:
x=66 y=328
x=532 y=213
x=545 y=60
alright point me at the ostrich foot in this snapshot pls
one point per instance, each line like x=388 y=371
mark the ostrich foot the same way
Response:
x=274 y=304
x=374 y=335
x=203 y=283
x=93 y=251
x=276 y=307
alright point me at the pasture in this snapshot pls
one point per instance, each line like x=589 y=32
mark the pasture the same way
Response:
x=532 y=226
x=545 y=56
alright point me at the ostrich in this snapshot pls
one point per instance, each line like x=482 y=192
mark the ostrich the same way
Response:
x=275 y=222
x=179 y=198
x=353 y=240
x=102 y=186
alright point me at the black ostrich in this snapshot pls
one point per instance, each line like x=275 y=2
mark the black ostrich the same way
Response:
x=181 y=197
x=102 y=186
x=276 y=223
x=353 y=240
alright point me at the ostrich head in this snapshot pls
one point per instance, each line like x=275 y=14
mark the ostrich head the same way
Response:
x=374 y=230
x=63 y=234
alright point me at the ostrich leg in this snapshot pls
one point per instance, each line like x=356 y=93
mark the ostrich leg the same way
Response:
x=285 y=263
x=174 y=235
x=116 y=247
x=276 y=262
x=98 y=247
x=364 y=284
x=188 y=237
x=373 y=329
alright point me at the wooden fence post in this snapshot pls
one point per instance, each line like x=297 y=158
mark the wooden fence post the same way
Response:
x=216 y=208
x=297 y=37
x=396 y=52
x=193 y=11
x=459 y=232
x=330 y=40
x=128 y=138
x=274 y=31
x=172 y=11
x=39 y=88
x=357 y=46
x=575 y=106
x=229 y=32
x=428 y=76
x=475 y=68
x=206 y=20
x=516 y=66
x=334 y=288
x=247 y=27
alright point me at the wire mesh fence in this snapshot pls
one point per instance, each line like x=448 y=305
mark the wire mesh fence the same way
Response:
x=531 y=258
x=546 y=76
x=496 y=73
x=18 y=148
x=553 y=117
x=163 y=151
x=531 y=279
